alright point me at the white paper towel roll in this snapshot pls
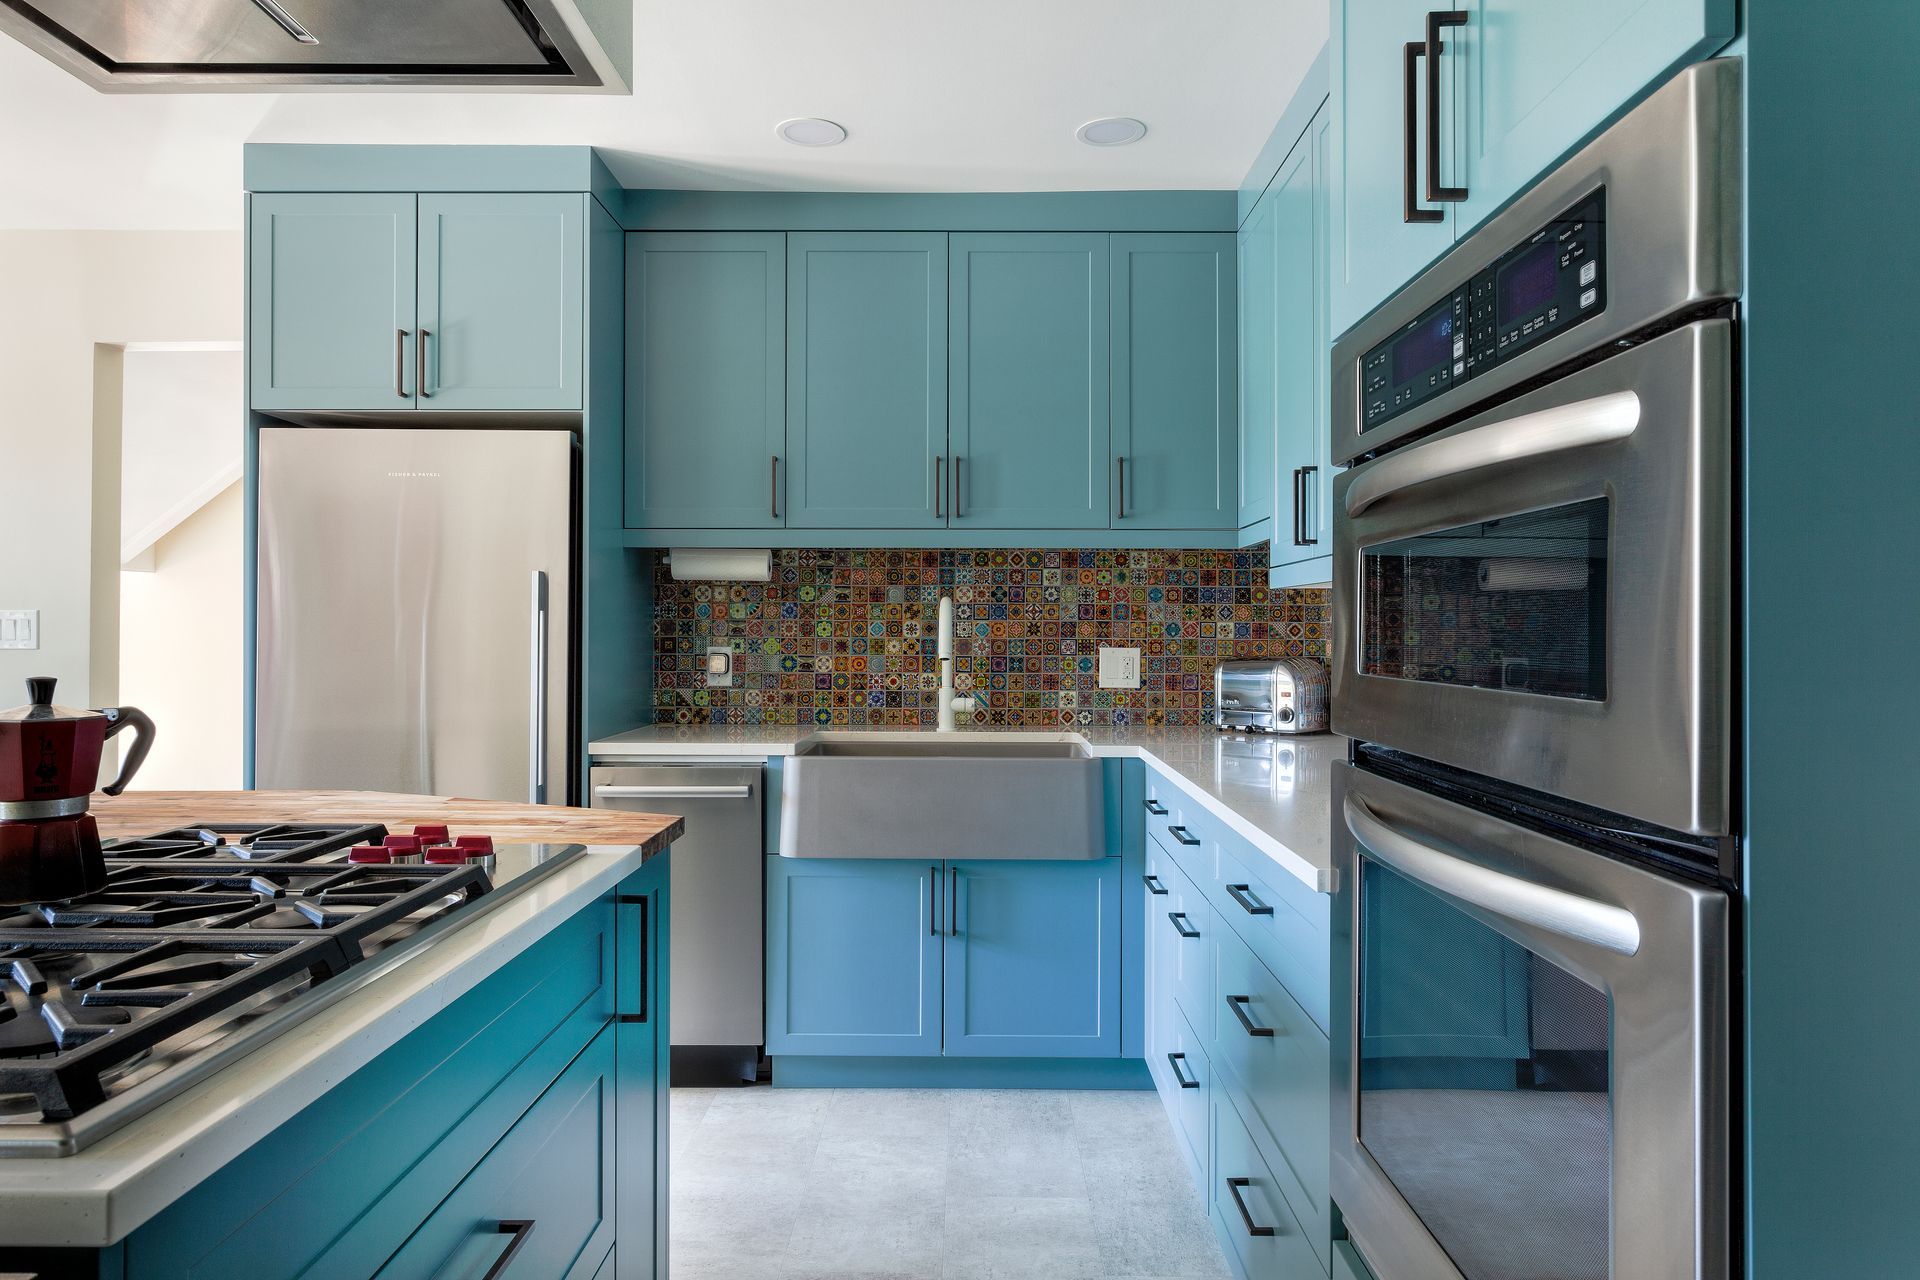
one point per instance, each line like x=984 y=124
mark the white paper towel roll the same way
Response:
x=719 y=564
x=1533 y=574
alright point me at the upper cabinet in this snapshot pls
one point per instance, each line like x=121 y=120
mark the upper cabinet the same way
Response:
x=379 y=302
x=1301 y=549
x=1027 y=381
x=706 y=358
x=1442 y=116
x=1259 y=301
x=867 y=380
x=1174 y=398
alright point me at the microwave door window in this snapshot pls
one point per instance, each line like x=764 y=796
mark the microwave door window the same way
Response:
x=1484 y=1087
x=1517 y=603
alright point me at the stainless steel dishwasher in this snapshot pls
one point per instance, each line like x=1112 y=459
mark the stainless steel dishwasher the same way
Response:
x=717 y=909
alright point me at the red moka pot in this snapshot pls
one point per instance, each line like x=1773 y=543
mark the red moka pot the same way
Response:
x=49 y=764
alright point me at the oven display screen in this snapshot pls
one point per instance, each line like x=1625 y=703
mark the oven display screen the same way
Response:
x=1529 y=282
x=1427 y=346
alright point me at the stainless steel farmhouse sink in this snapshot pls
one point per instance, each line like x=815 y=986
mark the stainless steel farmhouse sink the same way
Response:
x=936 y=796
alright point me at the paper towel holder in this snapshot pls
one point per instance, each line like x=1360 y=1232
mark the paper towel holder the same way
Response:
x=720 y=564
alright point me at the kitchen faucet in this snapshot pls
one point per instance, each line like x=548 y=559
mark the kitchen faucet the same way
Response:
x=948 y=702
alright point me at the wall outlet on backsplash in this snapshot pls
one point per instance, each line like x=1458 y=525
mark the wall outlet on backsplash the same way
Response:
x=1119 y=668
x=719 y=666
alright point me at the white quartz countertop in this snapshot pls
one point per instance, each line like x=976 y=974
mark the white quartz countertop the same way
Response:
x=1273 y=790
x=104 y=1192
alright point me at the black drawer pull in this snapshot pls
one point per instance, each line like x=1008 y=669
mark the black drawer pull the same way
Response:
x=1154 y=886
x=1233 y=1189
x=1239 y=1006
x=639 y=901
x=1173 y=1061
x=1183 y=930
x=519 y=1229
x=1183 y=835
x=1155 y=808
x=1243 y=895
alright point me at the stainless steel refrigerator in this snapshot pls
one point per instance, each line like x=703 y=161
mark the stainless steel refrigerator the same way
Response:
x=413 y=611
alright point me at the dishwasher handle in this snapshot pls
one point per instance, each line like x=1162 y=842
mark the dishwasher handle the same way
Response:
x=615 y=791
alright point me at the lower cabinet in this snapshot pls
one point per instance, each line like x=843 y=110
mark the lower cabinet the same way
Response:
x=1249 y=1208
x=1000 y=959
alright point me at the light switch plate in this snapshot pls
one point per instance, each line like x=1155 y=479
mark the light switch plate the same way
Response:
x=719 y=666
x=1119 y=668
x=19 y=628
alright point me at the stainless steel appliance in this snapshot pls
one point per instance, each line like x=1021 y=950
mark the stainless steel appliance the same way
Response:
x=414 y=611
x=1530 y=1050
x=1533 y=556
x=159 y=45
x=112 y=1003
x=716 y=927
x=1270 y=695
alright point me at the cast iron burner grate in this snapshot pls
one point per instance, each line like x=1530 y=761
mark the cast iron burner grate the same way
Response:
x=172 y=948
x=254 y=841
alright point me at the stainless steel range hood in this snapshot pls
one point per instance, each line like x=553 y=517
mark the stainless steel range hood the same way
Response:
x=202 y=45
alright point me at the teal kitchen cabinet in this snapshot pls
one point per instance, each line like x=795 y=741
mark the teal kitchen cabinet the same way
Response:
x=330 y=324
x=1347 y=1263
x=706 y=380
x=642 y=933
x=1027 y=381
x=867 y=380
x=1518 y=85
x=1301 y=549
x=854 y=957
x=1175 y=422
x=1260 y=251
x=500 y=302
x=1033 y=959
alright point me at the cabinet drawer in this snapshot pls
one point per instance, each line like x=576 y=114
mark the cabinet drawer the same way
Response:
x=1249 y=1206
x=545 y=1192
x=1282 y=921
x=1189 y=1079
x=1188 y=924
x=1272 y=1061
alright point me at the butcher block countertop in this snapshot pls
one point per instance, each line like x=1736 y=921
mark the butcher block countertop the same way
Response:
x=142 y=813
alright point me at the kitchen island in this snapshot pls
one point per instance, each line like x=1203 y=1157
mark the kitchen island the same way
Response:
x=520 y=1032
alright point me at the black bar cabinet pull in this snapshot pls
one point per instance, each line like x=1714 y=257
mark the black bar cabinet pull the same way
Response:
x=1154 y=886
x=1299 y=509
x=773 y=486
x=1183 y=835
x=1177 y=917
x=400 y=363
x=1435 y=21
x=933 y=891
x=939 y=486
x=1233 y=1189
x=519 y=1229
x=1411 y=210
x=1123 y=487
x=1239 y=1006
x=1155 y=808
x=1185 y=1081
x=637 y=900
x=1304 y=507
x=420 y=361
x=953 y=901
x=956 y=486
x=1242 y=894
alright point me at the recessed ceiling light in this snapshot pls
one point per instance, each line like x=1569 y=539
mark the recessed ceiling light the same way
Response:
x=809 y=131
x=1111 y=131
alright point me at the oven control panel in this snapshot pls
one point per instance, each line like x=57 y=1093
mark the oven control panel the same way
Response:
x=1542 y=287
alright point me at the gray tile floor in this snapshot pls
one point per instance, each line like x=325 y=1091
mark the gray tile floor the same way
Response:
x=934 y=1184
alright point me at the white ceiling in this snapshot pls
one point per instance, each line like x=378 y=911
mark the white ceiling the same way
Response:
x=976 y=96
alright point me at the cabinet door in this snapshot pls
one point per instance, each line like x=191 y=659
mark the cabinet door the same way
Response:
x=330 y=302
x=1259 y=316
x=642 y=916
x=1175 y=370
x=1033 y=959
x=853 y=957
x=545 y=1192
x=1375 y=249
x=867 y=380
x=1541 y=78
x=501 y=280
x=1302 y=355
x=1027 y=381
x=706 y=380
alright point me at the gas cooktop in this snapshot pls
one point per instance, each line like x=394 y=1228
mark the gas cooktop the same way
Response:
x=205 y=941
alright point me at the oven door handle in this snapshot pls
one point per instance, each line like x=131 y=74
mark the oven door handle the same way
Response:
x=1600 y=420
x=1566 y=914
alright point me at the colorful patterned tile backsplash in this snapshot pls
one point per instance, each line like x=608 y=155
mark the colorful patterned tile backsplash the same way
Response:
x=848 y=637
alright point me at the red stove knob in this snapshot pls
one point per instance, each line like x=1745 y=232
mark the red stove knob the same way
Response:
x=431 y=833
x=476 y=846
x=370 y=853
x=404 y=844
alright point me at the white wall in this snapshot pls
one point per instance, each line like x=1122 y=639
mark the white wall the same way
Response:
x=180 y=650
x=62 y=295
x=182 y=432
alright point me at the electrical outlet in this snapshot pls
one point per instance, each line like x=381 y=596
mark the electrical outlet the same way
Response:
x=19 y=628
x=719 y=666
x=1119 y=668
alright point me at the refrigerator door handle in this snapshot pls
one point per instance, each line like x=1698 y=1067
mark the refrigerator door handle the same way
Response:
x=537 y=724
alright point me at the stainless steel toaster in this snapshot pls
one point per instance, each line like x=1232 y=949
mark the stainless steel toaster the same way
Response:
x=1270 y=695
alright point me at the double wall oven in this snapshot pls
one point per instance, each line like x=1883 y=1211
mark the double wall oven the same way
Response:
x=1533 y=653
